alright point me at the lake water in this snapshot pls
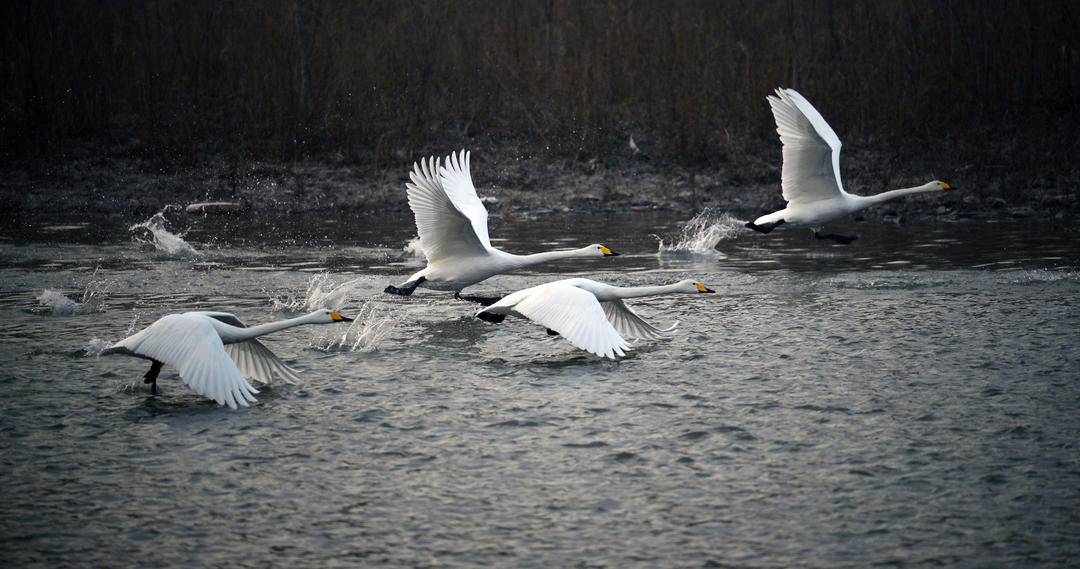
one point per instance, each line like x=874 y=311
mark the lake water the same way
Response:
x=909 y=400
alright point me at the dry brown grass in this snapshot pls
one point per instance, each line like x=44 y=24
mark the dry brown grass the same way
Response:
x=384 y=79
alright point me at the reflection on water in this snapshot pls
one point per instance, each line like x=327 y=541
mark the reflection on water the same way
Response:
x=908 y=399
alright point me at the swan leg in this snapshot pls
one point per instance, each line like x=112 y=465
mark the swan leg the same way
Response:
x=405 y=289
x=764 y=227
x=841 y=239
x=551 y=332
x=151 y=376
x=481 y=300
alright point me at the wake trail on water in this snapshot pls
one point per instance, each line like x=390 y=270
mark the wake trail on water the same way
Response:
x=165 y=242
x=702 y=233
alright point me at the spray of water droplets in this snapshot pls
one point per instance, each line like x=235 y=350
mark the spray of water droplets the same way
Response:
x=95 y=346
x=370 y=326
x=164 y=241
x=413 y=249
x=701 y=234
x=322 y=292
x=91 y=301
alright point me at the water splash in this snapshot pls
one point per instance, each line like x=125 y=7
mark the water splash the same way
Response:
x=413 y=249
x=703 y=232
x=56 y=303
x=322 y=292
x=163 y=240
x=94 y=293
x=95 y=346
x=368 y=329
x=91 y=301
x=1030 y=276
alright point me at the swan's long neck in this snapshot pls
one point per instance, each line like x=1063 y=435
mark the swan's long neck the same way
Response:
x=640 y=291
x=244 y=334
x=548 y=256
x=892 y=195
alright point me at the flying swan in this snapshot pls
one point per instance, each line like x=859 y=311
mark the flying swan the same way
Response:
x=810 y=177
x=453 y=227
x=590 y=315
x=214 y=351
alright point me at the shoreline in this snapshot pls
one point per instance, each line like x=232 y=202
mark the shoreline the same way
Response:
x=510 y=184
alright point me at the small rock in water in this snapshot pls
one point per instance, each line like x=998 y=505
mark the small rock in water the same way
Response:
x=214 y=207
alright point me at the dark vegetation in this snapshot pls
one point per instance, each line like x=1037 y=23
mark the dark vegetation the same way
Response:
x=981 y=92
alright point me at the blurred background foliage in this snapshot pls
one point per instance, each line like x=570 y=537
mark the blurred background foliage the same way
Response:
x=388 y=79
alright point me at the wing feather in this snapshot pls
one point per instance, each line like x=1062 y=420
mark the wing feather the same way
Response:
x=457 y=182
x=225 y=317
x=445 y=232
x=190 y=343
x=811 y=170
x=258 y=362
x=576 y=315
x=630 y=325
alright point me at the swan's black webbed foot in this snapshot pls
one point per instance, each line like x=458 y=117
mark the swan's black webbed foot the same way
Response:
x=551 y=332
x=764 y=227
x=404 y=290
x=841 y=239
x=491 y=317
x=481 y=300
x=151 y=376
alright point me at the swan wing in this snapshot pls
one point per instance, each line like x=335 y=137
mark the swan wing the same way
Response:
x=629 y=324
x=458 y=185
x=576 y=315
x=225 y=317
x=252 y=357
x=811 y=170
x=190 y=343
x=256 y=361
x=445 y=231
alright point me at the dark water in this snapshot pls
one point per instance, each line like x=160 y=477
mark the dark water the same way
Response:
x=910 y=400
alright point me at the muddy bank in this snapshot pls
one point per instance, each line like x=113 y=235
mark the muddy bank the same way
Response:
x=513 y=182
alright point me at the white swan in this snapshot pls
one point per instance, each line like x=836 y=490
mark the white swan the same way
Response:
x=810 y=178
x=452 y=223
x=589 y=314
x=214 y=351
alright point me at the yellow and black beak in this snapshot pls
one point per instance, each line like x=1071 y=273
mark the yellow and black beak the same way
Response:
x=703 y=288
x=608 y=252
x=337 y=317
x=947 y=186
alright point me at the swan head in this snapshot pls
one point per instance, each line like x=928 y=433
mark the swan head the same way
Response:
x=327 y=316
x=601 y=250
x=938 y=185
x=691 y=286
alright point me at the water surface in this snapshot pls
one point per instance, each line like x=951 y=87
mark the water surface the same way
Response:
x=907 y=400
